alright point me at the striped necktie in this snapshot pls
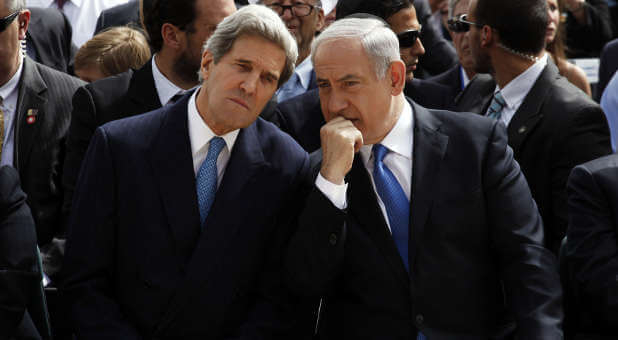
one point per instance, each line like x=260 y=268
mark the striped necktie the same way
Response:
x=497 y=105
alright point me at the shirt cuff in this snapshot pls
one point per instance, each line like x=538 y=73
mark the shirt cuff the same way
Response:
x=336 y=193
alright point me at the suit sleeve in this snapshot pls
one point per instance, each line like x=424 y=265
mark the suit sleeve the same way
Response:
x=528 y=269
x=90 y=252
x=592 y=246
x=83 y=125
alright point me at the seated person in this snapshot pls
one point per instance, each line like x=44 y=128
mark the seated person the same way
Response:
x=111 y=52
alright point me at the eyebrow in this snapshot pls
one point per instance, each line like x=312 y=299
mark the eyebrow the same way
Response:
x=344 y=78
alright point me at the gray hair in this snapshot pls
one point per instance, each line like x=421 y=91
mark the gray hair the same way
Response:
x=317 y=3
x=258 y=21
x=376 y=38
x=15 y=5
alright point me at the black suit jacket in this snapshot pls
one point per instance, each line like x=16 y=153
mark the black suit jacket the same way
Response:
x=301 y=117
x=19 y=273
x=586 y=41
x=138 y=263
x=453 y=80
x=49 y=39
x=476 y=240
x=592 y=246
x=127 y=94
x=43 y=116
x=439 y=54
x=556 y=128
x=121 y=15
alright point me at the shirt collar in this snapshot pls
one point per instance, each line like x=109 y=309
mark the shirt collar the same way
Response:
x=399 y=139
x=77 y=3
x=11 y=86
x=517 y=89
x=464 y=77
x=199 y=132
x=165 y=88
x=304 y=72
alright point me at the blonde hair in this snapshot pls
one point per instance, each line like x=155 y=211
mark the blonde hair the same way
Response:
x=114 y=51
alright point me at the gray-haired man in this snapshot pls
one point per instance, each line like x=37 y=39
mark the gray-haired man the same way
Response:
x=180 y=214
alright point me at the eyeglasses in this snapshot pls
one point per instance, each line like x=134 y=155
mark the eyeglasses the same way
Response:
x=408 y=38
x=460 y=24
x=299 y=10
x=7 y=20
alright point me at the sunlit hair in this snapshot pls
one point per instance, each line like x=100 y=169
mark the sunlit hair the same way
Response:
x=114 y=51
x=255 y=20
x=15 y=5
x=376 y=38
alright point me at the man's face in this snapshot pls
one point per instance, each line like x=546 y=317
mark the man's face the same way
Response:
x=460 y=39
x=480 y=57
x=302 y=28
x=236 y=89
x=209 y=13
x=402 y=21
x=10 y=37
x=349 y=88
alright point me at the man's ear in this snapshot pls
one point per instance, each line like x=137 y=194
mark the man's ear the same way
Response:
x=24 y=20
x=397 y=73
x=171 y=35
x=320 y=20
x=487 y=36
x=206 y=64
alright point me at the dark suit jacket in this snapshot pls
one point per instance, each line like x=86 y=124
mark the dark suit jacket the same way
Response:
x=556 y=128
x=607 y=67
x=127 y=94
x=586 y=41
x=44 y=94
x=439 y=54
x=138 y=263
x=19 y=273
x=592 y=247
x=476 y=239
x=301 y=117
x=121 y=15
x=48 y=39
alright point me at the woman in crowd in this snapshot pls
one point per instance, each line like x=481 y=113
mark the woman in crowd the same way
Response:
x=555 y=47
x=111 y=52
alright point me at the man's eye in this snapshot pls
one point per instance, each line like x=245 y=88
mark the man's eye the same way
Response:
x=350 y=83
x=323 y=85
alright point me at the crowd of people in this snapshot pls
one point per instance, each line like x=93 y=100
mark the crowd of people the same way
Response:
x=308 y=169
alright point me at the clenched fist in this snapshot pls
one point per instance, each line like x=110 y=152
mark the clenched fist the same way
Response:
x=340 y=141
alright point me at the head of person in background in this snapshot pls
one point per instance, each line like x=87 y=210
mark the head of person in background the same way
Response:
x=236 y=81
x=303 y=19
x=555 y=45
x=111 y=52
x=401 y=16
x=177 y=30
x=457 y=30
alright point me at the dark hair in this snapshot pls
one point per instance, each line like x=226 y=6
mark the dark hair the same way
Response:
x=521 y=24
x=381 y=8
x=155 y=13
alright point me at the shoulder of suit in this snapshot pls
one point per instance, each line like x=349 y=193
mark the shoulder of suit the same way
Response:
x=54 y=77
x=111 y=87
x=275 y=142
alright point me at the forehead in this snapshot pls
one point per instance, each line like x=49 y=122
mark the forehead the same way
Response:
x=472 y=9
x=337 y=58
x=271 y=57
x=289 y=2
x=403 y=20
x=461 y=7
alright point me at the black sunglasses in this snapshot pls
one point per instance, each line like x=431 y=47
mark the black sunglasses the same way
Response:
x=460 y=24
x=408 y=38
x=7 y=20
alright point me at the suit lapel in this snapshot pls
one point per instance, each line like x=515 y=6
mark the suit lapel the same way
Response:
x=429 y=149
x=529 y=113
x=142 y=94
x=31 y=101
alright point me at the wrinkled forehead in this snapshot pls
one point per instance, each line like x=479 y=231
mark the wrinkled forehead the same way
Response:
x=461 y=7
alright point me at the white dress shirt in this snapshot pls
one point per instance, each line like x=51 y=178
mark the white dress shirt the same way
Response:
x=200 y=135
x=9 y=92
x=165 y=88
x=517 y=89
x=82 y=14
x=399 y=142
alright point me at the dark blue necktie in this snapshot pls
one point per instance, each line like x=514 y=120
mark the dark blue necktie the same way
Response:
x=206 y=180
x=395 y=201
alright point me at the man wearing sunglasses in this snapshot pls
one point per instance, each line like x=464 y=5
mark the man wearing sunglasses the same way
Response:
x=552 y=125
x=303 y=19
x=35 y=107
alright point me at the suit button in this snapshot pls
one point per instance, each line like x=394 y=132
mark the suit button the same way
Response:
x=332 y=239
x=419 y=319
x=147 y=284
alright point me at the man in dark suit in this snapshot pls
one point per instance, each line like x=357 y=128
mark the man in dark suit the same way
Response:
x=36 y=108
x=592 y=246
x=415 y=211
x=20 y=277
x=177 y=31
x=121 y=15
x=607 y=67
x=552 y=126
x=48 y=40
x=171 y=235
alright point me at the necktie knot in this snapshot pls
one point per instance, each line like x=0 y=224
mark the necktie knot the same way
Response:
x=215 y=147
x=497 y=104
x=379 y=151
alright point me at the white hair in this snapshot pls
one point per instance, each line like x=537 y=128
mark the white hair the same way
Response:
x=376 y=38
x=258 y=21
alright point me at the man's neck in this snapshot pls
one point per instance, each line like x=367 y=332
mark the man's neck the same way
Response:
x=510 y=66
x=165 y=64
x=302 y=55
x=9 y=72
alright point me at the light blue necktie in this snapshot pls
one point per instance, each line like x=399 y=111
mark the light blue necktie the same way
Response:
x=206 y=180
x=292 y=88
x=495 y=108
x=395 y=201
